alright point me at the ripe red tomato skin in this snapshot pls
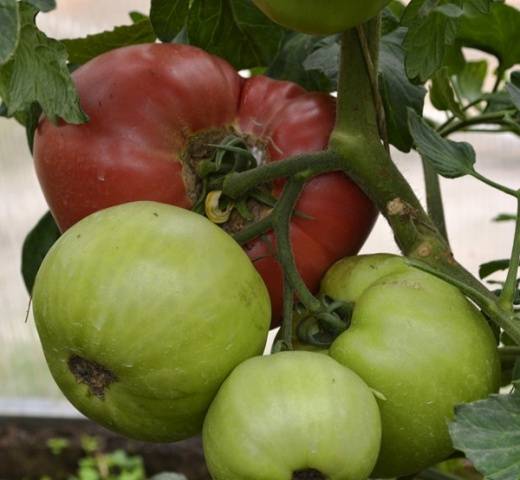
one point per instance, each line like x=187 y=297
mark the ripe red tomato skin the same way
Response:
x=148 y=100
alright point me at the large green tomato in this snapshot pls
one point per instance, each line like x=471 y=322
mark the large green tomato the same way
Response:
x=322 y=17
x=143 y=310
x=292 y=415
x=418 y=341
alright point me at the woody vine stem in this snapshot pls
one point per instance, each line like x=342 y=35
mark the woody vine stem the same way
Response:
x=356 y=148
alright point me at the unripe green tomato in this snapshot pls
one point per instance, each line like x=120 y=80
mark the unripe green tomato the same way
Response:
x=281 y=416
x=322 y=17
x=418 y=341
x=143 y=310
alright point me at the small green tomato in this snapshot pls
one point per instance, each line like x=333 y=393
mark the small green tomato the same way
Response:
x=289 y=416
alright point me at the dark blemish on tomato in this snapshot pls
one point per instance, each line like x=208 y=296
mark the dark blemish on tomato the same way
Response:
x=95 y=376
x=309 y=474
x=155 y=214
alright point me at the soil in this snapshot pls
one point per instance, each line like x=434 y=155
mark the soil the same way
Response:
x=24 y=453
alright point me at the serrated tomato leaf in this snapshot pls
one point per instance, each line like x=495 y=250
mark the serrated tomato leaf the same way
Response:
x=81 y=50
x=450 y=159
x=426 y=44
x=292 y=62
x=37 y=72
x=168 y=17
x=325 y=59
x=487 y=269
x=488 y=432
x=397 y=91
x=9 y=28
x=235 y=30
x=36 y=245
x=495 y=33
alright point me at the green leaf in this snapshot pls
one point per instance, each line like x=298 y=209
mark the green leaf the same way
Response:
x=31 y=118
x=9 y=29
x=499 y=101
x=514 y=93
x=325 y=60
x=36 y=245
x=477 y=6
x=38 y=73
x=487 y=269
x=43 y=5
x=442 y=94
x=426 y=44
x=495 y=33
x=235 y=30
x=297 y=63
x=505 y=217
x=450 y=159
x=168 y=17
x=396 y=90
x=470 y=80
x=390 y=18
x=488 y=432
x=81 y=50
x=136 y=16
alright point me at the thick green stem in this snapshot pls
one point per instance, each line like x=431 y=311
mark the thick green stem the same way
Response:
x=434 y=198
x=356 y=138
x=509 y=291
x=237 y=184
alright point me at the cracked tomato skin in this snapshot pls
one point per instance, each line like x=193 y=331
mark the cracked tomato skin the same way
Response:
x=146 y=102
x=323 y=18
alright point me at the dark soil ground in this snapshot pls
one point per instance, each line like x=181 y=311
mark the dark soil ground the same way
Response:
x=24 y=453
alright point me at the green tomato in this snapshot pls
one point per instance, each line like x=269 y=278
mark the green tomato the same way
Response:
x=284 y=416
x=320 y=17
x=418 y=341
x=142 y=311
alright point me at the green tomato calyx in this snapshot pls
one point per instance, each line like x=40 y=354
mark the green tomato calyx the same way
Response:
x=209 y=158
x=308 y=474
x=95 y=376
x=321 y=328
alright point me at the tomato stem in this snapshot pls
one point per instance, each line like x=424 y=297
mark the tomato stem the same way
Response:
x=507 y=297
x=282 y=214
x=434 y=198
x=288 y=306
x=254 y=230
x=371 y=67
x=239 y=183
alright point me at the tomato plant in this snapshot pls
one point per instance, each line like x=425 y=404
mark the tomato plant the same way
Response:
x=150 y=124
x=140 y=329
x=321 y=18
x=304 y=411
x=418 y=341
x=288 y=175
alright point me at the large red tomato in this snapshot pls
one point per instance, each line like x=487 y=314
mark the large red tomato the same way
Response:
x=151 y=107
